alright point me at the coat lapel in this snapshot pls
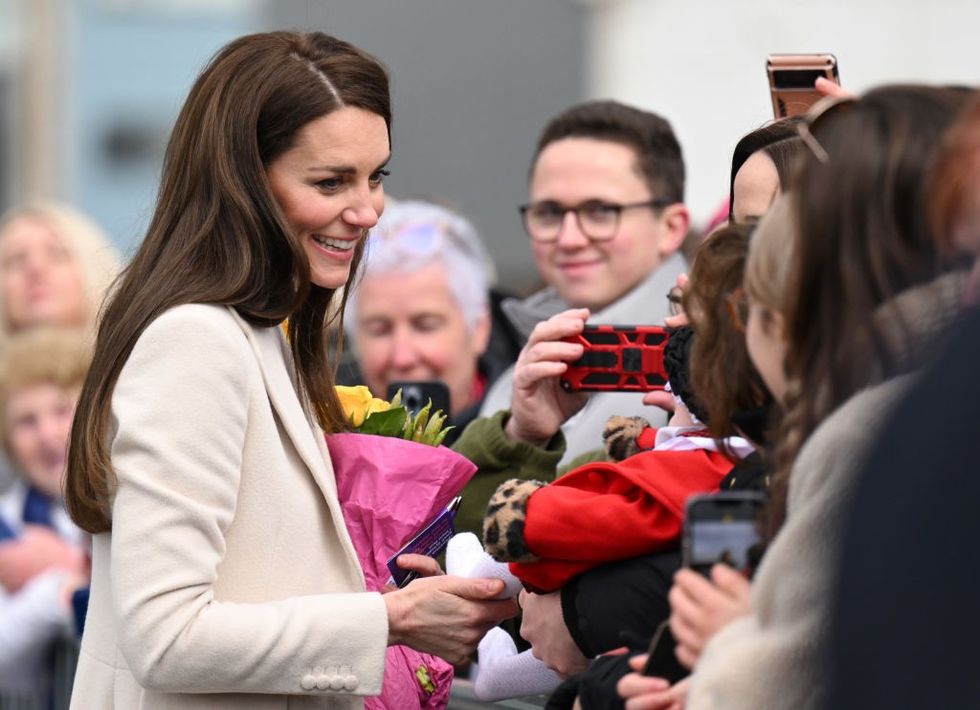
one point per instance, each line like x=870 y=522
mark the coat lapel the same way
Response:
x=307 y=438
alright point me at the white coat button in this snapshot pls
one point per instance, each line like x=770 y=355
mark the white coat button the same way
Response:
x=308 y=682
x=350 y=683
x=323 y=682
x=336 y=682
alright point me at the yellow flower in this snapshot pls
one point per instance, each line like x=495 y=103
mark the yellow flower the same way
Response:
x=358 y=403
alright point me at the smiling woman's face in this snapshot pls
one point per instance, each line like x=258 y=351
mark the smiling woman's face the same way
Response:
x=329 y=187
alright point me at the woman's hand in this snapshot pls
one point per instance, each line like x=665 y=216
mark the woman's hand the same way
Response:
x=643 y=692
x=446 y=616
x=422 y=565
x=699 y=607
x=539 y=406
x=543 y=626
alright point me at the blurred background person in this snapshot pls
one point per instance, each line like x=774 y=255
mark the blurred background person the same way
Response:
x=56 y=265
x=421 y=309
x=42 y=561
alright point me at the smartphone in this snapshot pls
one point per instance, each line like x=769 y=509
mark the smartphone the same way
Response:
x=791 y=78
x=618 y=358
x=417 y=393
x=722 y=527
x=661 y=660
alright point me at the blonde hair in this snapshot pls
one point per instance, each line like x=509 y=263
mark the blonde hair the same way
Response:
x=42 y=356
x=770 y=259
x=95 y=257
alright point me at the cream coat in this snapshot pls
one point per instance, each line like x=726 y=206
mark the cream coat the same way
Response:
x=228 y=579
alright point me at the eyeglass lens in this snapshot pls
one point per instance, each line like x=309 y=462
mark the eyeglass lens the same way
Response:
x=597 y=220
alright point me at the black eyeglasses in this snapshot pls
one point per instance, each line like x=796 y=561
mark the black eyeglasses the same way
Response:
x=597 y=220
x=675 y=301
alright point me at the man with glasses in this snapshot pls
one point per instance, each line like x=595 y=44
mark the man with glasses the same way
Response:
x=605 y=219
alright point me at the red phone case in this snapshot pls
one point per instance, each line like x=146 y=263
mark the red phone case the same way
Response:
x=623 y=358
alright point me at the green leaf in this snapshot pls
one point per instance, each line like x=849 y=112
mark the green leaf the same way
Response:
x=421 y=419
x=388 y=423
x=442 y=435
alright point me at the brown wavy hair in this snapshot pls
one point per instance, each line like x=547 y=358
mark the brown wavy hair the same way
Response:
x=723 y=377
x=863 y=238
x=218 y=236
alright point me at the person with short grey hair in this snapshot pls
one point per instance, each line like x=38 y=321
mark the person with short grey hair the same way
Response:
x=421 y=309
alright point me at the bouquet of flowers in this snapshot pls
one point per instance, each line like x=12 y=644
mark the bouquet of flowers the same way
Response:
x=393 y=477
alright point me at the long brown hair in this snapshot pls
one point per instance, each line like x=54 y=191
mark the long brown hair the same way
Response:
x=863 y=238
x=218 y=235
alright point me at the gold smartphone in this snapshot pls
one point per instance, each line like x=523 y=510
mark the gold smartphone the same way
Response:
x=791 y=79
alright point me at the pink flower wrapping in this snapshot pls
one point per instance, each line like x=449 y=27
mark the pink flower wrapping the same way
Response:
x=389 y=489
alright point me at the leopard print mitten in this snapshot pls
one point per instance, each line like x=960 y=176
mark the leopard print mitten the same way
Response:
x=503 y=524
x=619 y=436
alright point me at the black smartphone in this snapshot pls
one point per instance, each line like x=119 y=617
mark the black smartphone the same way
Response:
x=722 y=527
x=661 y=660
x=791 y=79
x=417 y=393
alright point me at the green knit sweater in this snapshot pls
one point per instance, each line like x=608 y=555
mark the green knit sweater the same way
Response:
x=498 y=458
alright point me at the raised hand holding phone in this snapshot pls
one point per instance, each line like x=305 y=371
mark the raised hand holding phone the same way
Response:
x=792 y=81
x=618 y=358
x=539 y=406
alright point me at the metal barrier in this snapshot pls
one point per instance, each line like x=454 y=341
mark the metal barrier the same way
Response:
x=53 y=690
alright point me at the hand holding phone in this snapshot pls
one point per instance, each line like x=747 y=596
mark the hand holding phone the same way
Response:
x=661 y=659
x=618 y=358
x=792 y=78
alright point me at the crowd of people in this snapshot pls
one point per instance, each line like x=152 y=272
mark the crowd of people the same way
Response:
x=165 y=483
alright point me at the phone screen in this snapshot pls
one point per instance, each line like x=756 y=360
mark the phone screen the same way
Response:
x=417 y=393
x=722 y=528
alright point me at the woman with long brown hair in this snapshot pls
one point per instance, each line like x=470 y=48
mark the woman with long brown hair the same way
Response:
x=223 y=575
